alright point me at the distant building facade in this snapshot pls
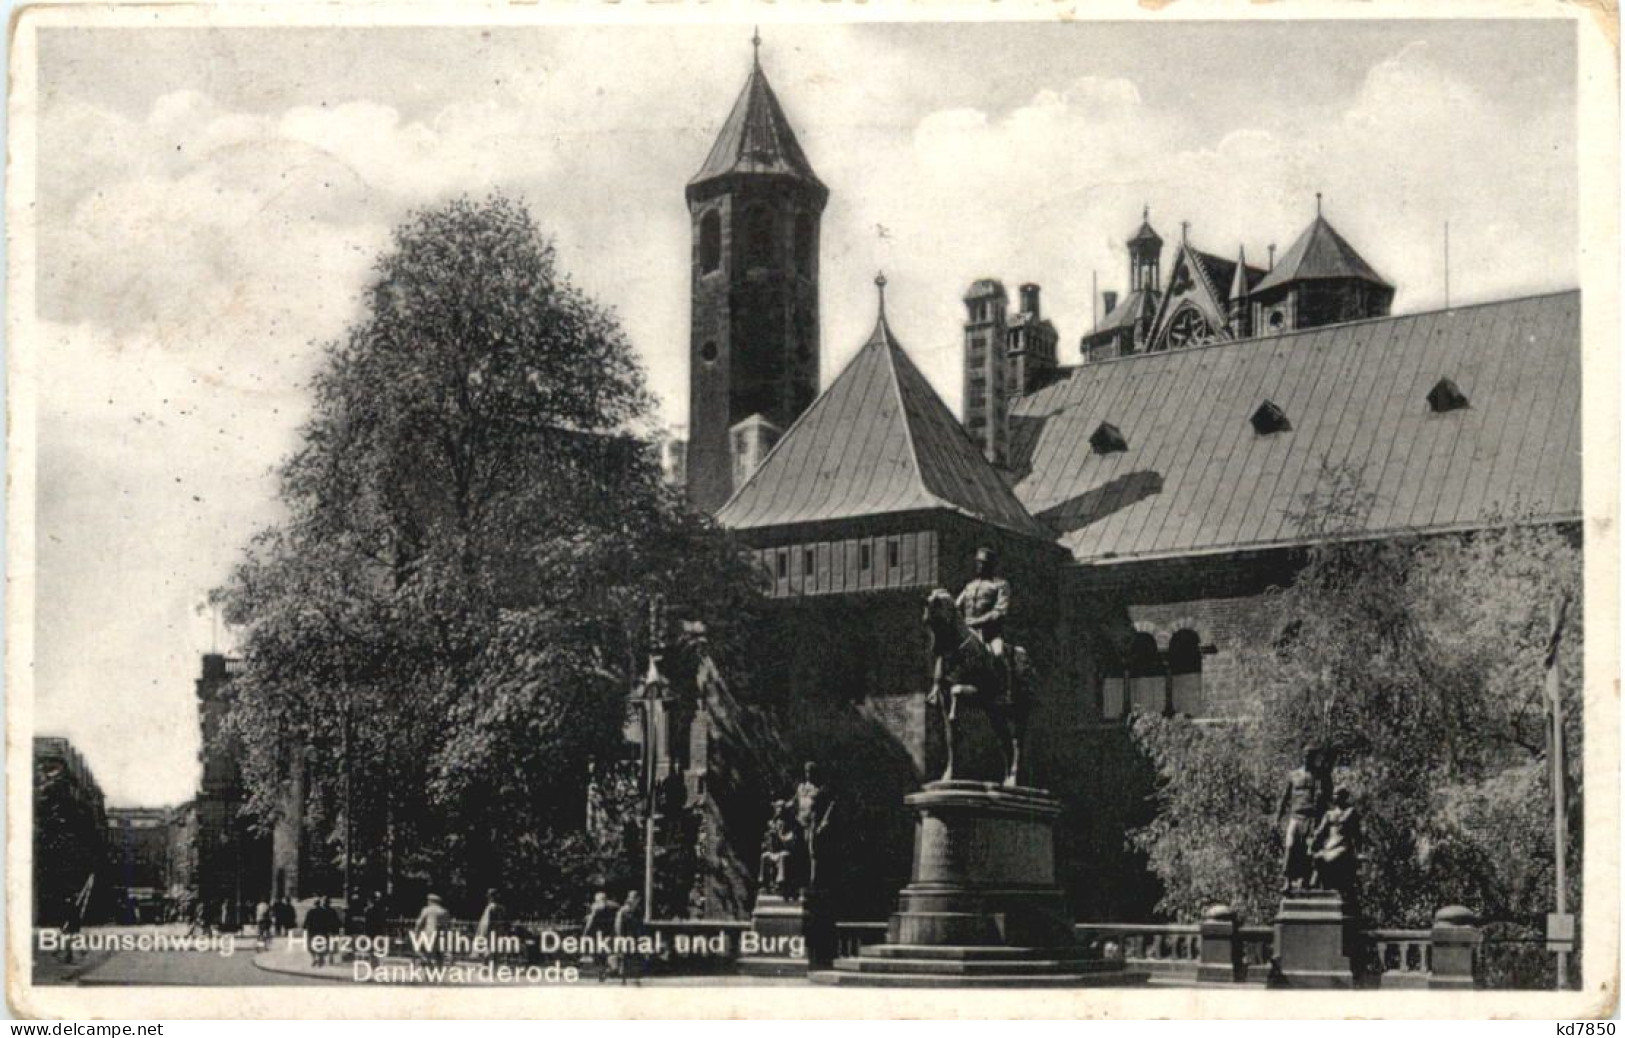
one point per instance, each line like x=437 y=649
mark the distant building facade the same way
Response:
x=137 y=869
x=70 y=825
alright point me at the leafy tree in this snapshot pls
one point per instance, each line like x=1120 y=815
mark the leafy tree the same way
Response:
x=475 y=528
x=1420 y=662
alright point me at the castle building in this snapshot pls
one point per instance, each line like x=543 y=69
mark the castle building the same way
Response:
x=1143 y=503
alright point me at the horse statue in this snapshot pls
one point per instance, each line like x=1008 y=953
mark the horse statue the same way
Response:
x=965 y=671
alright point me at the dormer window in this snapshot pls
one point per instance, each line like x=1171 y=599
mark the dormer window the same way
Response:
x=1107 y=439
x=1270 y=419
x=1445 y=396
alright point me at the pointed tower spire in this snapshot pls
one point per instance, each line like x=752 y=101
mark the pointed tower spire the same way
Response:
x=756 y=46
x=756 y=138
x=880 y=284
x=1240 y=305
x=1238 y=284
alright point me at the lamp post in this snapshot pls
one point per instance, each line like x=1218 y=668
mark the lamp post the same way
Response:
x=1560 y=925
x=655 y=690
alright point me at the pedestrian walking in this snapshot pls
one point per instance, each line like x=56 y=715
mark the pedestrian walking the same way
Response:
x=627 y=961
x=263 y=924
x=493 y=926
x=600 y=923
x=375 y=924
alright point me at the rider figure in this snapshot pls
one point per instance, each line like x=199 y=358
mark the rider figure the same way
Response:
x=983 y=604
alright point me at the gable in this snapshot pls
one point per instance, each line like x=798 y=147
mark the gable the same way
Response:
x=1191 y=312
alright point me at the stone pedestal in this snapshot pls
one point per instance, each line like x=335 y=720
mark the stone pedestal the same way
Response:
x=775 y=945
x=1221 y=961
x=1314 y=938
x=1454 y=943
x=982 y=907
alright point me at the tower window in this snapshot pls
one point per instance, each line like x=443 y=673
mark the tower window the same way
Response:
x=864 y=562
x=809 y=563
x=710 y=242
x=1270 y=419
x=806 y=244
x=1107 y=439
x=1446 y=397
x=784 y=565
x=759 y=236
x=708 y=353
x=891 y=554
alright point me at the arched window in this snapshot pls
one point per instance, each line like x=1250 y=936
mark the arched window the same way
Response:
x=806 y=244
x=710 y=242
x=1147 y=677
x=1185 y=673
x=759 y=236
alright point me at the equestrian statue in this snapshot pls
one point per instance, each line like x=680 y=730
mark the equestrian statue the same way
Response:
x=973 y=667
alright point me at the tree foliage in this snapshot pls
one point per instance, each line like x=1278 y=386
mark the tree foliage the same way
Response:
x=1420 y=662
x=475 y=529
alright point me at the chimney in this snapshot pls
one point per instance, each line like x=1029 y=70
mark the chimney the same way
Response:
x=1029 y=300
x=1272 y=255
x=1108 y=302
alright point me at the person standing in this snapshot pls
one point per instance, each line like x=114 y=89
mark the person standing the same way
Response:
x=600 y=923
x=434 y=923
x=376 y=920
x=321 y=926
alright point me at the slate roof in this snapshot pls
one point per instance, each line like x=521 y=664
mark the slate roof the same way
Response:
x=756 y=138
x=1319 y=252
x=1197 y=478
x=878 y=441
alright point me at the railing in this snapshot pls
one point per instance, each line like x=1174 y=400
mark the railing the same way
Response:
x=1167 y=949
x=851 y=937
x=1400 y=958
x=1218 y=950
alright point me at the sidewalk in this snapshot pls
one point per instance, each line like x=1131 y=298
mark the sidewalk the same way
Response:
x=286 y=959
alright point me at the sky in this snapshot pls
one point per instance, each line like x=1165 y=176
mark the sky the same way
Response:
x=211 y=202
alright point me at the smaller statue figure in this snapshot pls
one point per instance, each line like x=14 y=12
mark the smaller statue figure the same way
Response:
x=780 y=844
x=1303 y=801
x=814 y=803
x=1335 y=849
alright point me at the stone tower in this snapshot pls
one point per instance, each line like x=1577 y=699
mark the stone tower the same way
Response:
x=986 y=399
x=754 y=209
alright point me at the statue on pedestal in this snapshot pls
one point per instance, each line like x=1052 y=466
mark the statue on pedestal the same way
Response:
x=972 y=663
x=814 y=804
x=782 y=853
x=1335 y=848
x=1304 y=801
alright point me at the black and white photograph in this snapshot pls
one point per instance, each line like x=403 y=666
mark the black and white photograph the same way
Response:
x=813 y=510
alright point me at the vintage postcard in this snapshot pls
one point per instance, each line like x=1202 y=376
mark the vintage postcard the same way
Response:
x=795 y=509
